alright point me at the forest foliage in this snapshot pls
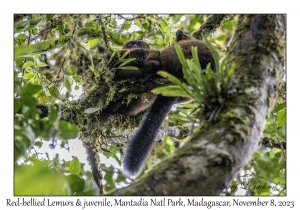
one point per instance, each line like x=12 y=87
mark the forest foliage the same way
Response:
x=54 y=55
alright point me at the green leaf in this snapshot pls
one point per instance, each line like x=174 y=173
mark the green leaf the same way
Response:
x=189 y=72
x=30 y=89
x=20 y=39
x=35 y=80
x=213 y=51
x=53 y=114
x=46 y=181
x=17 y=104
x=168 y=145
x=170 y=77
x=75 y=166
x=175 y=80
x=49 y=17
x=129 y=68
x=33 y=31
x=109 y=179
x=229 y=76
x=75 y=183
x=38 y=143
x=70 y=70
x=61 y=28
x=20 y=146
x=127 y=61
x=222 y=37
x=66 y=130
x=40 y=47
x=145 y=26
x=41 y=64
x=171 y=91
x=281 y=118
x=28 y=24
x=195 y=22
x=159 y=40
x=178 y=118
x=88 y=24
x=54 y=92
x=116 y=39
x=228 y=25
x=124 y=54
x=28 y=75
x=167 y=39
x=180 y=55
x=198 y=76
x=279 y=107
x=28 y=100
x=113 y=55
x=29 y=69
x=67 y=83
x=90 y=188
x=116 y=158
x=29 y=133
x=137 y=22
x=77 y=78
x=92 y=42
x=92 y=69
x=126 y=25
x=162 y=26
x=168 y=29
x=28 y=64
x=121 y=178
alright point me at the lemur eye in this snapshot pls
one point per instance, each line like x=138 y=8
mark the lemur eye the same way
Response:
x=144 y=56
x=129 y=45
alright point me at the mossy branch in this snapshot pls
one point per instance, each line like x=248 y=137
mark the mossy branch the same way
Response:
x=211 y=24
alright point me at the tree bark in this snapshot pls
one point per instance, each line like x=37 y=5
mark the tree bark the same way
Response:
x=218 y=150
x=211 y=24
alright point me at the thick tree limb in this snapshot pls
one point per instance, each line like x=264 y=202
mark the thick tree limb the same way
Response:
x=217 y=151
x=211 y=24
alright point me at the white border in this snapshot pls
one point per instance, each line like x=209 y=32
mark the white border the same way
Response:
x=157 y=6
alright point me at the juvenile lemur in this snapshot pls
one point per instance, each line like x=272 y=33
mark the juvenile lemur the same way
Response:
x=147 y=61
x=141 y=143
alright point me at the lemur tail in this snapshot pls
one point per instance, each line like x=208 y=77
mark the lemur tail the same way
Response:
x=141 y=143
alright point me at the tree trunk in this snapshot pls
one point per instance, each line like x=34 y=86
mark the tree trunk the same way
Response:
x=218 y=150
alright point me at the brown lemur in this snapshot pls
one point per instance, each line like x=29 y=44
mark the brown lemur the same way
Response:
x=147 y=61
x=141 y=143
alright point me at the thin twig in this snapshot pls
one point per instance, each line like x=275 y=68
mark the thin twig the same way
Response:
x=23 y=70
x=130 y=19
x=103 y=31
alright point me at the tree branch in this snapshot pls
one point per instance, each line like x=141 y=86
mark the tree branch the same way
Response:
x=99 y=17
x=93 y=161
x=272 y=143
x=211 y=24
